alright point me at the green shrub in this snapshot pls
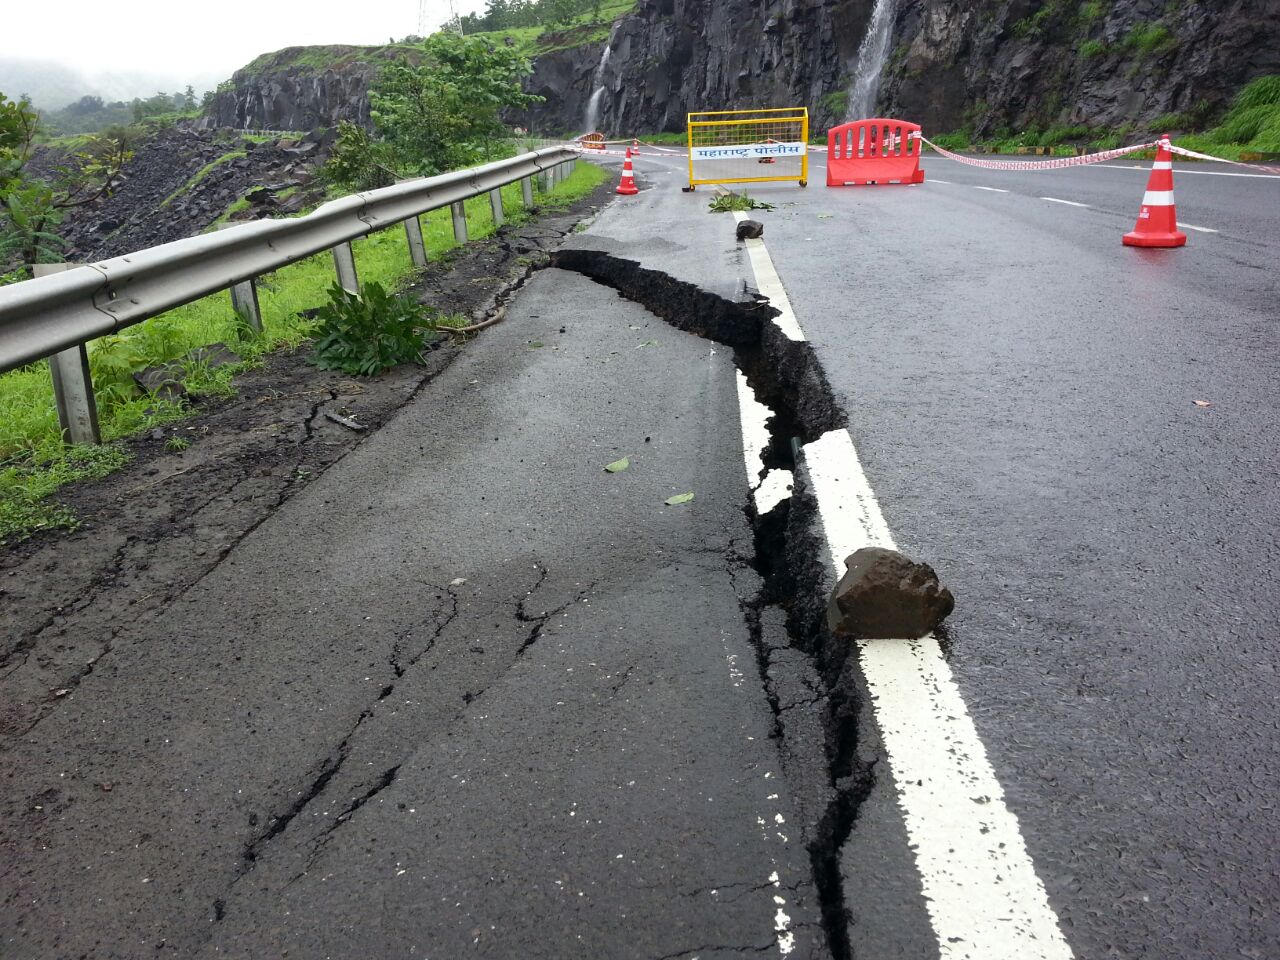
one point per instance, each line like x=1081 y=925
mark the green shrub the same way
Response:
x=366 y=333
x=1149 y=38
x=1092 y=48
x=1241 y=126
x=737 y=201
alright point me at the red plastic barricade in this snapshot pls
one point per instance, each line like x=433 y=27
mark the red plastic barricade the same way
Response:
x=873 y=151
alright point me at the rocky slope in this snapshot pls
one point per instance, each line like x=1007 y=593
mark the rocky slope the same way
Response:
x=951 y=63
x=179 y=182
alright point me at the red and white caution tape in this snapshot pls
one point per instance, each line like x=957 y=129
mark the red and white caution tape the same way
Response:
x=1235 y=163
x=1056 y=163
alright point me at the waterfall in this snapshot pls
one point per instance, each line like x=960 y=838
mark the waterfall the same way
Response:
x=872 y=54
x=592 y=116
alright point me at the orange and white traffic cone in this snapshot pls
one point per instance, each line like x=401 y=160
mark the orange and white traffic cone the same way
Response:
x=1158 y=220
x=627 y=186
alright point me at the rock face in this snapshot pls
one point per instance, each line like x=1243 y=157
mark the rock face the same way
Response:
x=301 y=88
x=885 y=595
x=1000 y=64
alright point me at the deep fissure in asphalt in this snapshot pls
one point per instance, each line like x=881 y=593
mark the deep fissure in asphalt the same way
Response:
x=789 y=545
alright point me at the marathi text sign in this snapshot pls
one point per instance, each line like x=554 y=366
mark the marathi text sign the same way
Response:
x=749 y=151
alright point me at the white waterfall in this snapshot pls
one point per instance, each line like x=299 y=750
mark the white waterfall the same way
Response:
x=592 y=116
x=872 y=54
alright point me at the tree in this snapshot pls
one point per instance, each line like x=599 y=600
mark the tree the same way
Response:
x=437 y=115
x=31 y=208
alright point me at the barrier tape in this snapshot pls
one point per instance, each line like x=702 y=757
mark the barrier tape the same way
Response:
x=1235 y=163
x=1057 y=163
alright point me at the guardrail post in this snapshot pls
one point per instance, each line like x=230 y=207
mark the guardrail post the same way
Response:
x=495 y=204
x=72 y=382
x=344 y=262
x=526 y=190
x=459 y=213
x=244 y=297
x=417 y=246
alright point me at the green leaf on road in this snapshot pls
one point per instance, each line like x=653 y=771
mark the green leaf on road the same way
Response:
x=535 y=344
x=678 y=499
x=618 y=465
x=647 y=343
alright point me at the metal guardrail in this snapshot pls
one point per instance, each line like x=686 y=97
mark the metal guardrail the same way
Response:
x=41 y=317
x=56 y=315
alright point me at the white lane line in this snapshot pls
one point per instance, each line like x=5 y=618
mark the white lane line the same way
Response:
x=1195 y=173
x=984 y=898
x=776 y=485
x=770 y=284
x=991 y=189
x=1188 y=226
x=1069 y=203
x=936 y=180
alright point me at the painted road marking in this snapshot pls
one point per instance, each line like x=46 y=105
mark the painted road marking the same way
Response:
x=936 y=180
x=754 y=415
x=992 y=189
x=769 y=284
x=984 y=898
x=1069 y=203
x=1194 y=173
x=1188 y=226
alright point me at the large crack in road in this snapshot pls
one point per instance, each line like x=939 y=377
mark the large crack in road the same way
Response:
x=786 y=377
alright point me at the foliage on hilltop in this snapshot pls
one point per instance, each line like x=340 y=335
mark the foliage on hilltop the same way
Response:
x=438 y=114
x=31 y=207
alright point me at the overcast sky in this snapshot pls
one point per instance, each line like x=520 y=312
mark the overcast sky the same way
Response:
x=183 y=40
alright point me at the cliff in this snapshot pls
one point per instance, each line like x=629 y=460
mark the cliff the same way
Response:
x=946 y=63
x=986 y=65
x=302 y=88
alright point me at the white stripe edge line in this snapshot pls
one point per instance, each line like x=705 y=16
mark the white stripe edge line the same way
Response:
x=982 y=893
x=1069 y=203
x=992 y=189
x=1184 y=170
x=1190 y=226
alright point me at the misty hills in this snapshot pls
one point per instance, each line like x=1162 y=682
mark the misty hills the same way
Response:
x=52 y=85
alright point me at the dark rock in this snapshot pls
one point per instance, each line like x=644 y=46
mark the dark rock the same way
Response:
x=750 y=230
x=163 y=382
x=885 y=594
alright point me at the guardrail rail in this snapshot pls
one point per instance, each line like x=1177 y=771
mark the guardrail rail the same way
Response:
x=55 y=316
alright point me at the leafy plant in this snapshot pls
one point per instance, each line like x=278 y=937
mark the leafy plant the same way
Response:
x=728 y=202
x=366 y=333
x=434 y=115
x=177 y=444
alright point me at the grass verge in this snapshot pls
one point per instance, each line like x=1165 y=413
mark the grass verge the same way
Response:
x=34 y=463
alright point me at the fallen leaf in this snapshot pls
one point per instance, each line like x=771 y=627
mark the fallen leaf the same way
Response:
x=647 y=343
x=535 y=344
x=678 y=499
x=825 y=216
x=1202 y=403
x=618 y=465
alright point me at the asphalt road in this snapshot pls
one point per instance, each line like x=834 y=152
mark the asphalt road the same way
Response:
x=1021 y=389
x=467 y=694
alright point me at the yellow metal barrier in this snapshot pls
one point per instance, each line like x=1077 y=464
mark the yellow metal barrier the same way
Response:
x=749 y=146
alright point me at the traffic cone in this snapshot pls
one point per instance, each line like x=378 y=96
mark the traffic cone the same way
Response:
x=627 y=186
x=1158 y=220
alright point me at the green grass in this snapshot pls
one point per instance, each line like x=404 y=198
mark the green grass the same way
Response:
x=33 y=460
x=200 y=174
x=534 y=41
